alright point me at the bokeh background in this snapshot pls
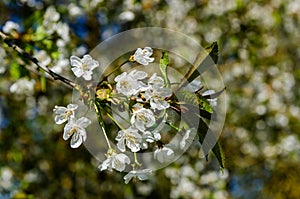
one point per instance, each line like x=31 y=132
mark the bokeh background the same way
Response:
x=259 y=44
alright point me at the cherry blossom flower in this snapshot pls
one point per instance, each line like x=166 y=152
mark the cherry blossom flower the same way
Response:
x=83 y=67
x=139 y=174
x=51 y=18
x=213 y=102
x=188 y=138
x=157 y=97
x=131 y=137
x=149 y=137
x=10 y=26
x=193 y=86
x=142 y=56
x=129 y=84
x=142 y=118
x=156 y=81
x=63 y=114
x=23 y=86
x=164 y=154
x=76 y=129
x=115 y=161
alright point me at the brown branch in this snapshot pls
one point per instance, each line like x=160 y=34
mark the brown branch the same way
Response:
x=26 y=55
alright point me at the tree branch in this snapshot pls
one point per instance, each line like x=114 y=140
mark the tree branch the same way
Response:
x=26 y=55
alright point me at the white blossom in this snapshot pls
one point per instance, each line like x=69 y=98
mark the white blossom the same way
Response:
x=127 y=16
x=62 y=30
x=23 y=86
x=10 y=26
x=142 y=56
x=188 y=138
x=157 y=97
x=193 y=86
x=50 y=19
x=164 y=154
x=149 y=137
x=62 y=114
x=83 y=67
x=43 y=57
x=142 y=118
x=156 y=81
x=140 y=174
x=129 y=84
x=115 y=161
x=131 y=138
x=213 y=102
x=76 y=129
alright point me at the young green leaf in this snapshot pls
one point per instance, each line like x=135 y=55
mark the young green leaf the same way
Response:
x=203 y=61
x=196 y=100
x=207 y=144
x=163 y=64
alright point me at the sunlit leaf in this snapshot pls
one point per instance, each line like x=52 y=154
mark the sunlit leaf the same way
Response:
x=163 y=65
x=203 y=61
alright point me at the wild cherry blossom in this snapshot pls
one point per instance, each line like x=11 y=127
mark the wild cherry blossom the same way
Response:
x=142 y=118
x=83 y=67
x=187 y=138
x=10 y=26
x=142 y=56
x=193 y=86
x=156 y=81
x=129 y=84
x=131 y=138
x=140 y=174
x=157 y=97
x=51 y=18
x=149 y=137
x=63 y=114
x=76 y=129
x=115 y=161
x=23 y=86
x=213 y=102
x=164 y=154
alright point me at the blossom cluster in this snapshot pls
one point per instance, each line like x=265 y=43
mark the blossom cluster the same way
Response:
x=147 y=98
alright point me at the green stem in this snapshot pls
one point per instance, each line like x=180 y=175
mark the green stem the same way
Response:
x=136 y=160
x=100 y=120
x=115 y=121
x=174 y=127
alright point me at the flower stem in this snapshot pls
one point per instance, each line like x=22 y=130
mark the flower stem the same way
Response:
x=115 y=121
x=100 y=120
x=173 y=126
x=136 y=160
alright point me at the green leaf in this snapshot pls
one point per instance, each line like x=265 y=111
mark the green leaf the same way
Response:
x=195 y=100
x=14 y=70
x=163 y=64
x=207 y=144
x=43 y=83
x=217 y=148
x=203 y=61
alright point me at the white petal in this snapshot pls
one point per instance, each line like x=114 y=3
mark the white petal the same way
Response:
x=83 y=122
x=87 y=75
x=67 y=131
x=75 y=61
x=128 y=177
x=119 y=77
x=72 y=106
x=76 y=140
x=77 y=71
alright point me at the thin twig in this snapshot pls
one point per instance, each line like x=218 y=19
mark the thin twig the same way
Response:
x=34 y=60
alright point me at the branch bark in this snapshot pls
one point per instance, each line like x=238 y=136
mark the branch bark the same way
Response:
x=26 y=55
